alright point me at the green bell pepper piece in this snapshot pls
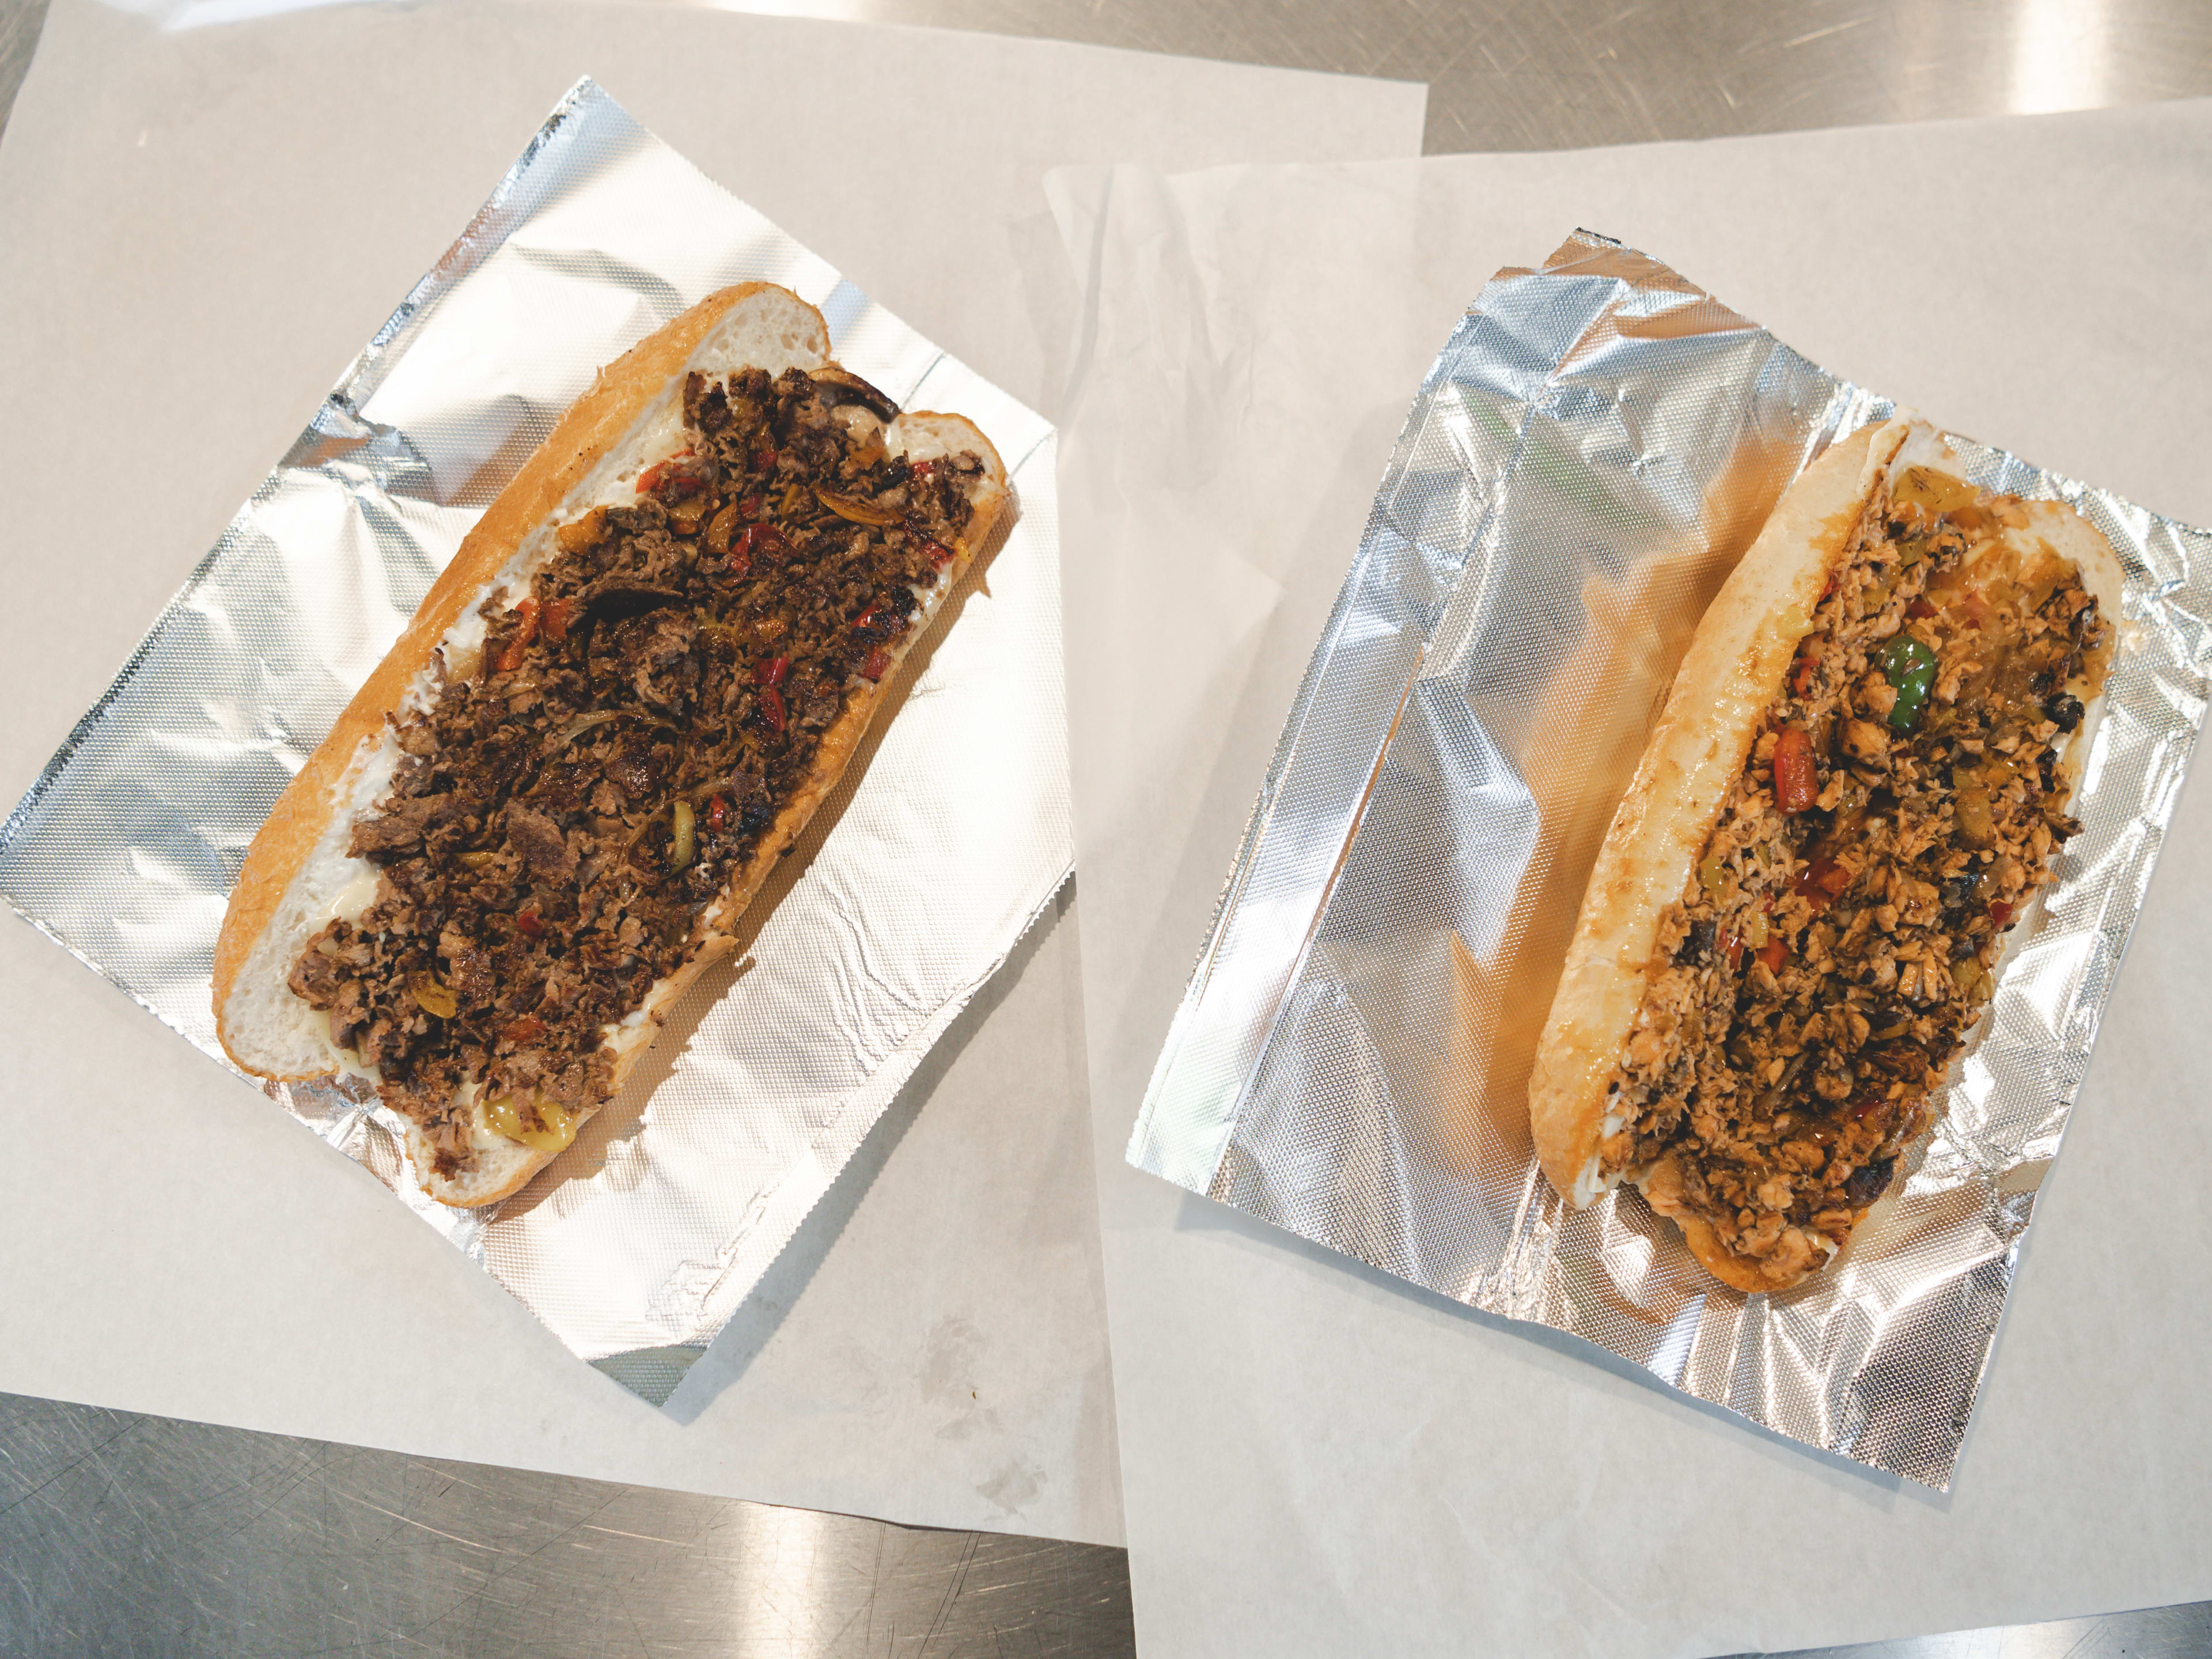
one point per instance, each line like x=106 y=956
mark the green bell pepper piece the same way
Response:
x=1911 y=667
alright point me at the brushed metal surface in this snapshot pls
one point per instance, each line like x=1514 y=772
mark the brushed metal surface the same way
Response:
x=1539 y=74
x=129 y=1535
x=126 y=1535
x=20 y=23
x=2179 y=1632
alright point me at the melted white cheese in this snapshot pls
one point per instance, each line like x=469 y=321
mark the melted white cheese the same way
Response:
x=356 y=897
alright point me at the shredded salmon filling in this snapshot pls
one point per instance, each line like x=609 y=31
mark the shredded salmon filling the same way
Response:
x=1899 y=808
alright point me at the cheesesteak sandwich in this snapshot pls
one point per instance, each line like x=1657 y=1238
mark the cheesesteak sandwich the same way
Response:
x=645 y=668
x=1859 y=784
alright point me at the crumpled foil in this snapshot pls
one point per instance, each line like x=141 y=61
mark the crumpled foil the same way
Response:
x=904 y=896
x=1597 y=444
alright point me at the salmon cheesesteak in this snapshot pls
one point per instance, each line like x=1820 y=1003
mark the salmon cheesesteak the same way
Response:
x=1861 y=782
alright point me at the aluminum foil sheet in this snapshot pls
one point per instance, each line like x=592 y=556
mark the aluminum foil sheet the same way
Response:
x=638 y=1244
x=1598 y=443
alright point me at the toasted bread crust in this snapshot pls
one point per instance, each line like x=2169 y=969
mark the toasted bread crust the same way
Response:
x=592 y=424
x=1731 y=672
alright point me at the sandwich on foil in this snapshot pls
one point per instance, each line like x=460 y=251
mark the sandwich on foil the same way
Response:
x=1860 y=784
x=646 y=666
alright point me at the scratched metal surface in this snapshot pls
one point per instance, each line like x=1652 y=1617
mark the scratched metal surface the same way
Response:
x=128 y=1535
x=2183 y=1632
x=19 y=22
x=124 y=1536
x=1537 y=74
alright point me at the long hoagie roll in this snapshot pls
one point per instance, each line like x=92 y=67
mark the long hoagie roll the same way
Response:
x=1859 y=784
x=651 y=660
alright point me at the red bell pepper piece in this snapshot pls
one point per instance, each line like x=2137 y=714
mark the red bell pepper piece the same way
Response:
x=527 y=921
x=1796 y=781
x=877 y=664
x=1820 y=882
x=717 y=813
x=1774 y=953
x=771 y=705
x=760 y=540
x=684 y=484
x=770 y=671
x=510 y=659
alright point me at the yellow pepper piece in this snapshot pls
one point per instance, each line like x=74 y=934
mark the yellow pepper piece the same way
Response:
x=433 y=997
x=502 y=1117
x=682 y=835
x=1971 y=814
x=1933 y=492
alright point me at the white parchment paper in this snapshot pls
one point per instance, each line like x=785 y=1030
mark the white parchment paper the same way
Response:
x=932 y=1347
x=1320 y=1460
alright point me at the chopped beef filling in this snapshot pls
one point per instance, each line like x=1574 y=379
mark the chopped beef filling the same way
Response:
x=560 y=817
x=1899 y=808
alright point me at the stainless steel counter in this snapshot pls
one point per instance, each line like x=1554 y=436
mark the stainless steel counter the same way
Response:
x=124 y=1534
x=1538 y=74
x=129 y=1535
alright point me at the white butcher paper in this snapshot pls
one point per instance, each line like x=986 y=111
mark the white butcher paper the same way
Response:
x=1318 y=1459
x=200 y=226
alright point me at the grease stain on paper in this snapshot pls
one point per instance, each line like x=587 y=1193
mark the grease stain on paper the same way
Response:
x=1014 y=1487
x=947 y=1376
